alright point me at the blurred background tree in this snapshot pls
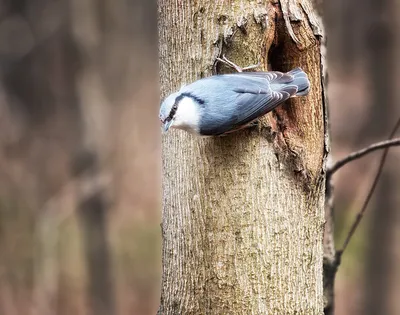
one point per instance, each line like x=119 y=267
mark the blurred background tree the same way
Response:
x=79 y=157
x=363 y=45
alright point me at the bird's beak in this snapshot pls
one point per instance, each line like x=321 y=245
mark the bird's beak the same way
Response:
x=166 y=125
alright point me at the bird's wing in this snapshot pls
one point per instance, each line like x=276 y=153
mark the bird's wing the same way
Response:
x=252 y=103
x=254 y=97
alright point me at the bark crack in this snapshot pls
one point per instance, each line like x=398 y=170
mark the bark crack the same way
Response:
x=292 y=155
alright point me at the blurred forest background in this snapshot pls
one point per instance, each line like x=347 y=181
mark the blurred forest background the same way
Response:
x=364 y=98
x=80 y=155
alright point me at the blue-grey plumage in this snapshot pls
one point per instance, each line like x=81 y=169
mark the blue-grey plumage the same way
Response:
x=224 y=103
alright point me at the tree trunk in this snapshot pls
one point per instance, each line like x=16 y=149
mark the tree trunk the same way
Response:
x=243 y=214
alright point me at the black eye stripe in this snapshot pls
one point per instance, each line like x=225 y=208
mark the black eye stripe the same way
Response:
x=178 y=99
x=173 y=110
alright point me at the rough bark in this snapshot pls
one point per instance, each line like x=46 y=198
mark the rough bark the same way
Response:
x=243 y=214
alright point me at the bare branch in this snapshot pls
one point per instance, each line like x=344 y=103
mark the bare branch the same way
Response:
x=385 y=144
x=359 y=154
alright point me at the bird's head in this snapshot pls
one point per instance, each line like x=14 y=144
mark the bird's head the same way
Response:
x=168 y=110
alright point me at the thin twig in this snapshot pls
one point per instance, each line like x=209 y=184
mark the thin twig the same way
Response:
x=357 y=221
x=359 y=154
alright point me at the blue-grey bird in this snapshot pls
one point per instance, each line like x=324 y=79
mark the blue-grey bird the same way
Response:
x=224 y=103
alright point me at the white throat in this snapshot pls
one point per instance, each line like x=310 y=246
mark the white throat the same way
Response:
x=187 y=115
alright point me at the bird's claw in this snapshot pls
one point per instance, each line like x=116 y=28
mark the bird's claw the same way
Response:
x=235 y=66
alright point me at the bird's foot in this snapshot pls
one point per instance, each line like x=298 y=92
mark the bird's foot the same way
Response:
x=235 y=66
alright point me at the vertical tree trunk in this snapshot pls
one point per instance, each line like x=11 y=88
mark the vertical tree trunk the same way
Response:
x=243 y=214
x=116 y=89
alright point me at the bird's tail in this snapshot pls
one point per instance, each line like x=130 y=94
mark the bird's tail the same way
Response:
x=294 y=82
x=300 y=80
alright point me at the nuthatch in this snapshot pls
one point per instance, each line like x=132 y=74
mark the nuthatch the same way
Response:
x=224 y=103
